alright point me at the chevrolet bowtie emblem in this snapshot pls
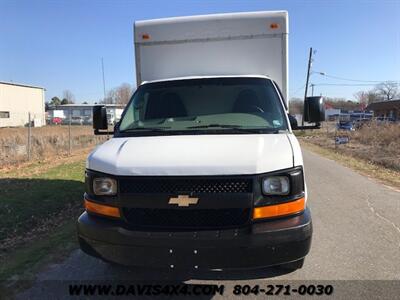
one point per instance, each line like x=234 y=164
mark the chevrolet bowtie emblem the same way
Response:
x=183 y=200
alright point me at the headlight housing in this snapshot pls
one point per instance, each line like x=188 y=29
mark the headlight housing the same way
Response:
x=276 y=185
x=104 y=186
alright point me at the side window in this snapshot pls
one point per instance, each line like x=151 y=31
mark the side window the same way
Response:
x=134 y=111
x=4 y=114
x=141 y=106
x=128 y=118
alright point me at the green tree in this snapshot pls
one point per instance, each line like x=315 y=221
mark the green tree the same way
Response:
x=64 y=101
x=55 y=101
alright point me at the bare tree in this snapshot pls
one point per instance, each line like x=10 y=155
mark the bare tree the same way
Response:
x=387 y=90
x=367 y=97
x=123 y=93
x=110 y=98
x=119 y=95
x=372 y=97
x=68 y=96
x=342 y=103
x=360 y=96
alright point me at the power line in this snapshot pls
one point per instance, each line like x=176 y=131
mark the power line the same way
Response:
x=343 y=84
x=348 y=79
x=298 y=89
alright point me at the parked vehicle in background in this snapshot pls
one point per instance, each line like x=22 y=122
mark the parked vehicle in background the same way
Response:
x=77 y=121
x=87 y=120
x=56 y=121
x=74 y=121
x=113 y=115
x=110 y=119
x=345 y=125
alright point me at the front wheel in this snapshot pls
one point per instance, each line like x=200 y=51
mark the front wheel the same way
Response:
x=294 y=265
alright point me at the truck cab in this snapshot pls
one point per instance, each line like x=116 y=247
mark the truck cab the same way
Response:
x=202 y=171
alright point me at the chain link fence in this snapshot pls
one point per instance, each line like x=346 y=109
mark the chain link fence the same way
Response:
x=36 y=140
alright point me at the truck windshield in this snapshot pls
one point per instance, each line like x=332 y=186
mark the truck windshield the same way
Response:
x=221 y=105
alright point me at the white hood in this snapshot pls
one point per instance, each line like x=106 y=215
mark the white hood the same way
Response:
x=193 y=155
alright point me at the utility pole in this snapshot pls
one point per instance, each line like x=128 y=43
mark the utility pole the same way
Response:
x=69 y=132
x=312 y=89
x=308 y=78
x=104 y=81
x=29 y=135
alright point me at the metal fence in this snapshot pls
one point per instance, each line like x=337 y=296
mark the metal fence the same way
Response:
x=34 y=142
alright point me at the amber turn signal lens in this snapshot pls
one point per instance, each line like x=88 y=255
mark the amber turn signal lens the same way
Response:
x=101 y=209
x=278 y=210
x=274 y=26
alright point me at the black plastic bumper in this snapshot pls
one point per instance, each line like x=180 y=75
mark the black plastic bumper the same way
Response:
x=263 y=244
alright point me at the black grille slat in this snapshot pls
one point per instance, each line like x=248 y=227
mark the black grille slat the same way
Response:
x=182 y=218
x=189 y=185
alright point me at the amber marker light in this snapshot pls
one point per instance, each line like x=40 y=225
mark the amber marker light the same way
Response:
x=274 y=26
x=279 y=210
x=145 y=36
x=101 y=209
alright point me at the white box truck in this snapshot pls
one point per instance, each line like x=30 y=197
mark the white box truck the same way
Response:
x=203 y=170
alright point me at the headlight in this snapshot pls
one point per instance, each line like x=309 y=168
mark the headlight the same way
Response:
x=276 y=185
x=104 y=186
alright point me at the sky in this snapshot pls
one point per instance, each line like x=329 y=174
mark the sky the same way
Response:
x=59 y=44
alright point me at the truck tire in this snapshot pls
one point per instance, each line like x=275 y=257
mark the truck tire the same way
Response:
x=294 y=265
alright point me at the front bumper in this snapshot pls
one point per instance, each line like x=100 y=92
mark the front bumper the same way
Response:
x=262 y=244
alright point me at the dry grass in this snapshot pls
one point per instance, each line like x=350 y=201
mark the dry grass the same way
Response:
x=46 y=142
x=373 y=150
x=384 y=175
x=376 y=144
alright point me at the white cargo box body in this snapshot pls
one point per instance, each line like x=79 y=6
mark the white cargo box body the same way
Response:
x=253 y=43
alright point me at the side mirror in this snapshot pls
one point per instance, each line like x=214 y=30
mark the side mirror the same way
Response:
x=116 y=126
x=293 y=122
x=99 y=117
x=314 y=110
x=100 y=120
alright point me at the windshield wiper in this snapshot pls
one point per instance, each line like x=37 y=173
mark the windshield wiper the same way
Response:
x=213 y=126
x=145 y=129
x=235 y=127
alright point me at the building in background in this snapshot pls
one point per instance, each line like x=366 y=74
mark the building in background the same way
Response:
x=81 y=114
x=386 y=109
x=17 y=101
x=332 y=114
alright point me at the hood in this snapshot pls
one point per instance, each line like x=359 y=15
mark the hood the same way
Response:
x=193 y=155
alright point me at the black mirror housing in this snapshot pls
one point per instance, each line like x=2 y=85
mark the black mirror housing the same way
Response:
x=99 y=118
x=314 y=110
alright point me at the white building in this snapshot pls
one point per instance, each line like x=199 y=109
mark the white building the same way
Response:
x=82 y=113
x=17 y=101
x=332 y=114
